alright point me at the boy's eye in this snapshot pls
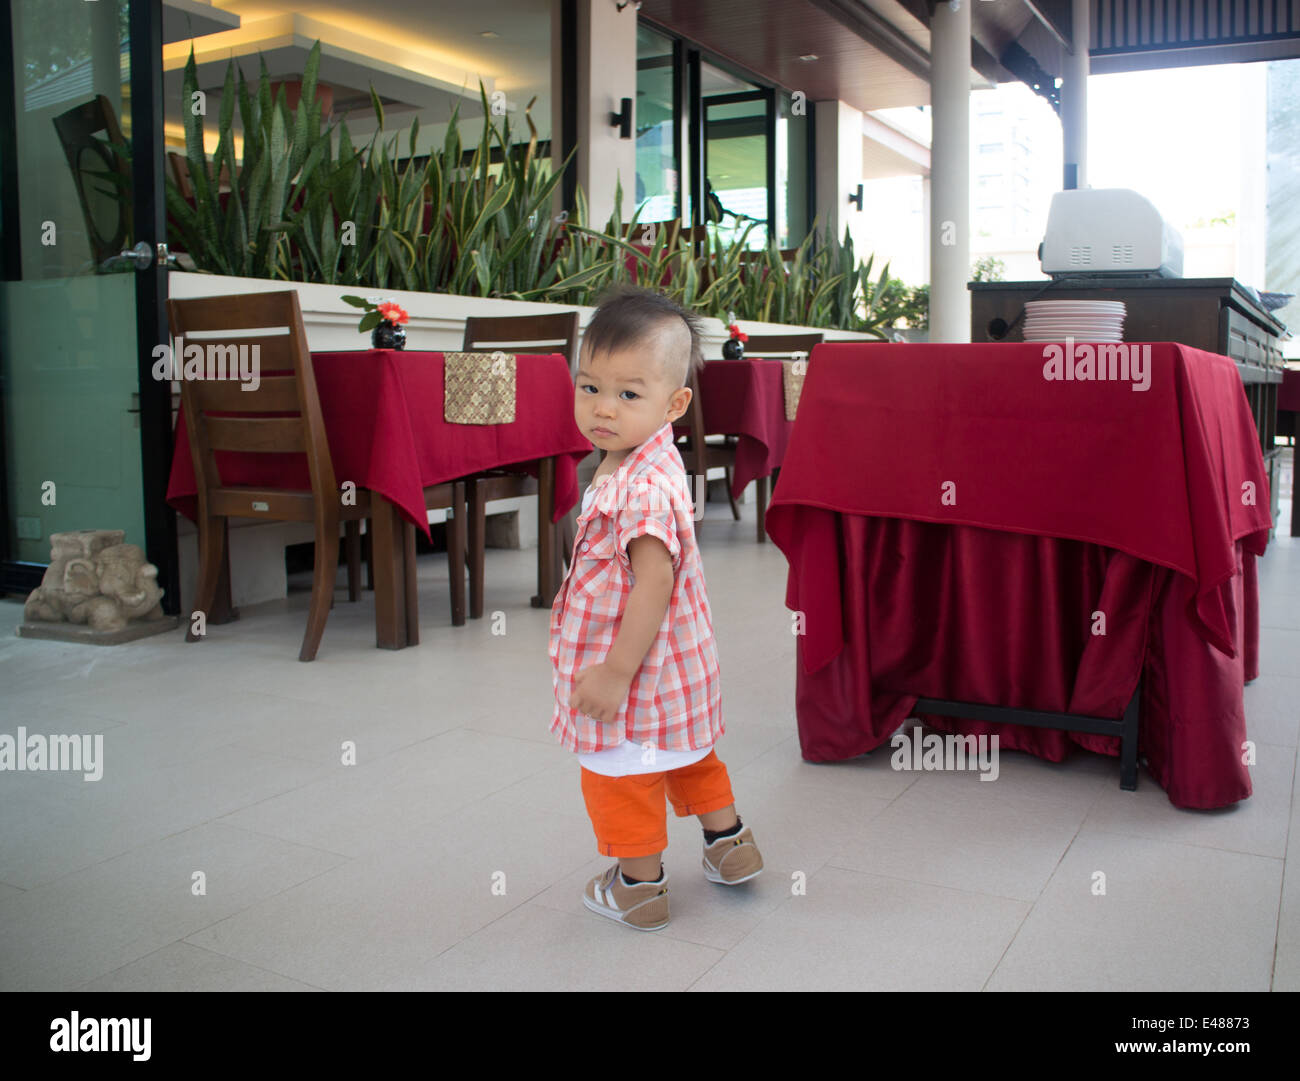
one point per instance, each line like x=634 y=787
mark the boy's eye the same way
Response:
x=586 y=387
x=631 y=395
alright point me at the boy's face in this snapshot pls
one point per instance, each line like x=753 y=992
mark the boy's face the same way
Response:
x=621 y=399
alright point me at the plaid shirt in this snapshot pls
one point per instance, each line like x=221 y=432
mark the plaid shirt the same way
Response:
x=675 y=700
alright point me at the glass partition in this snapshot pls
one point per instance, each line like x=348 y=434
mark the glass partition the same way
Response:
x=68 y=357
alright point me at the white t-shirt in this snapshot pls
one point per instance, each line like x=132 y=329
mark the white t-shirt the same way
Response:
x=627 y=757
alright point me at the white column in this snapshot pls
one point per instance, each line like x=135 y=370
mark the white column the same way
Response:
x=838 y=166
x=606 y=74
x=950 y=172
x=1074 y=97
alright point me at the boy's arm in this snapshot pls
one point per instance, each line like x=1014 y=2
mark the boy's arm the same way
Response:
x=643 y=615
x=599 y=691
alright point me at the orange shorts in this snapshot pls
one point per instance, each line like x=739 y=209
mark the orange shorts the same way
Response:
x=628 y=813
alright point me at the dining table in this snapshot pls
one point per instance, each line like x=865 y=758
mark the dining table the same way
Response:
x=966 y=524
x=383 y=412
x=1288 y=415
x=744 y=398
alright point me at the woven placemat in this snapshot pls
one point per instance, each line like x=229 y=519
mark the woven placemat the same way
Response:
x=793 y=372
x=478 y=388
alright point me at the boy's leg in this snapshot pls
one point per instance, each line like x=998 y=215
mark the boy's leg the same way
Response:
x=723 y=820
x=703 y=789
x=629 y=818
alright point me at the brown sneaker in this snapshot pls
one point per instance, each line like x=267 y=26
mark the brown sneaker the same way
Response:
x=643 y=906
x=732 y=860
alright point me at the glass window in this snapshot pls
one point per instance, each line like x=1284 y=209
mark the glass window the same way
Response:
x=793 y=121
x=658 y=184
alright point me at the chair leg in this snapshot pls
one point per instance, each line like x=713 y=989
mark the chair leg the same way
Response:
x=352 y=544
x=568 y=534
x=763 y=484
x=476 y=540
x=324 y=571
x=735 y=510
x=212 y=556
x=368 y=549
x=456 y=553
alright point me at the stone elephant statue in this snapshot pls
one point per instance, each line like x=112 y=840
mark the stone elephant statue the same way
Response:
x=95 y=579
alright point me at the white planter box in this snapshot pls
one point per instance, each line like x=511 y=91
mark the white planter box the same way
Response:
x=437 y=324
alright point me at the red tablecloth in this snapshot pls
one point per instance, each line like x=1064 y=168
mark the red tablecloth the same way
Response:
x=746 y=398
x=1288 y=393
x=383 y=413
x=952 y=519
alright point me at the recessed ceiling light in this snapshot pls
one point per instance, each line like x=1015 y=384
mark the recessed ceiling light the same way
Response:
x=488 y=34
x=809 y=56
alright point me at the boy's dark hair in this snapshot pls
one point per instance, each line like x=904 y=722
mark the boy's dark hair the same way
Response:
x=625 y=314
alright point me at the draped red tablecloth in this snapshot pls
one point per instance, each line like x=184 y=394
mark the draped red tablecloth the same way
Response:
x=746 y=398
x=1288 y=394
x=383 y=413
x=954 y=522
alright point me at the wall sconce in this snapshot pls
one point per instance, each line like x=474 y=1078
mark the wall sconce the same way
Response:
x=856 y=197
x=623 y=120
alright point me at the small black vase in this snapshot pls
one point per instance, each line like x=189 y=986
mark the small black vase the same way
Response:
x=733 y=349
x=388 y=336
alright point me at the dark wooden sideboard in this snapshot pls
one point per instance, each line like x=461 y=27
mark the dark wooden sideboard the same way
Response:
x=1214 y=314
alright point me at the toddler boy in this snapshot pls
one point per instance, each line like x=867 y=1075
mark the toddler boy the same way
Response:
x=637 y=693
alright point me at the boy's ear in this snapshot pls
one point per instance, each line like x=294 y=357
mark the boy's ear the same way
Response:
x=678 y=403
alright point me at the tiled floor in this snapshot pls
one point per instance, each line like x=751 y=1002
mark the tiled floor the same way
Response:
x=228 y=846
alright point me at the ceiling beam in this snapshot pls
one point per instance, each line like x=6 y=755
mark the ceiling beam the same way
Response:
x=981 y=59
x=878 y=32
x=1055 y=15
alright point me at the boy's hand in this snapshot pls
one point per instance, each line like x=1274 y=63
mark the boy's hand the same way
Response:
x=599 y=691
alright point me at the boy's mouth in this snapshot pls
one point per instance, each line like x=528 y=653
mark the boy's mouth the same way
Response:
x=602 y=432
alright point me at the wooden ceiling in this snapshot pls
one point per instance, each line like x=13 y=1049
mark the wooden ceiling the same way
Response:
x=767 y=37
x=872 y=54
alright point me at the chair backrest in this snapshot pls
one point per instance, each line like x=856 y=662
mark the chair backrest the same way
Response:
x=766 y=345
x=787 y=255
x=100 y=172
x=524 y=334
x=697 y=457
x=181 y=174
x=277 y=343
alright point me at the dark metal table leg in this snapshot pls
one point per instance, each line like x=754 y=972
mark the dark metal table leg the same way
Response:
x=1128 y=748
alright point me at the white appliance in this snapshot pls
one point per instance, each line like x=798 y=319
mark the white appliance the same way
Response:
x=1109 y=232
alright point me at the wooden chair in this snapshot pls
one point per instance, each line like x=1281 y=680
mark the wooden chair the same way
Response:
x=281 y=416
x=91 y=138
x=701 y=456
x=515 y=334
x=781 y=345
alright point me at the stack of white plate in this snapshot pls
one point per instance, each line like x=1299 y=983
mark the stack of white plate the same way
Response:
x=1084 y=320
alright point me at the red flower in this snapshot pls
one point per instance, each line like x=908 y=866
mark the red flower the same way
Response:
x=737 y=333
x=392 y=313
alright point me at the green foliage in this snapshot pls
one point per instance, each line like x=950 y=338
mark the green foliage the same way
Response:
x=988 y=269
x=307 y=204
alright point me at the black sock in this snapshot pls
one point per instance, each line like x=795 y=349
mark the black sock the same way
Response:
x=637 y=881
x=712 y=835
